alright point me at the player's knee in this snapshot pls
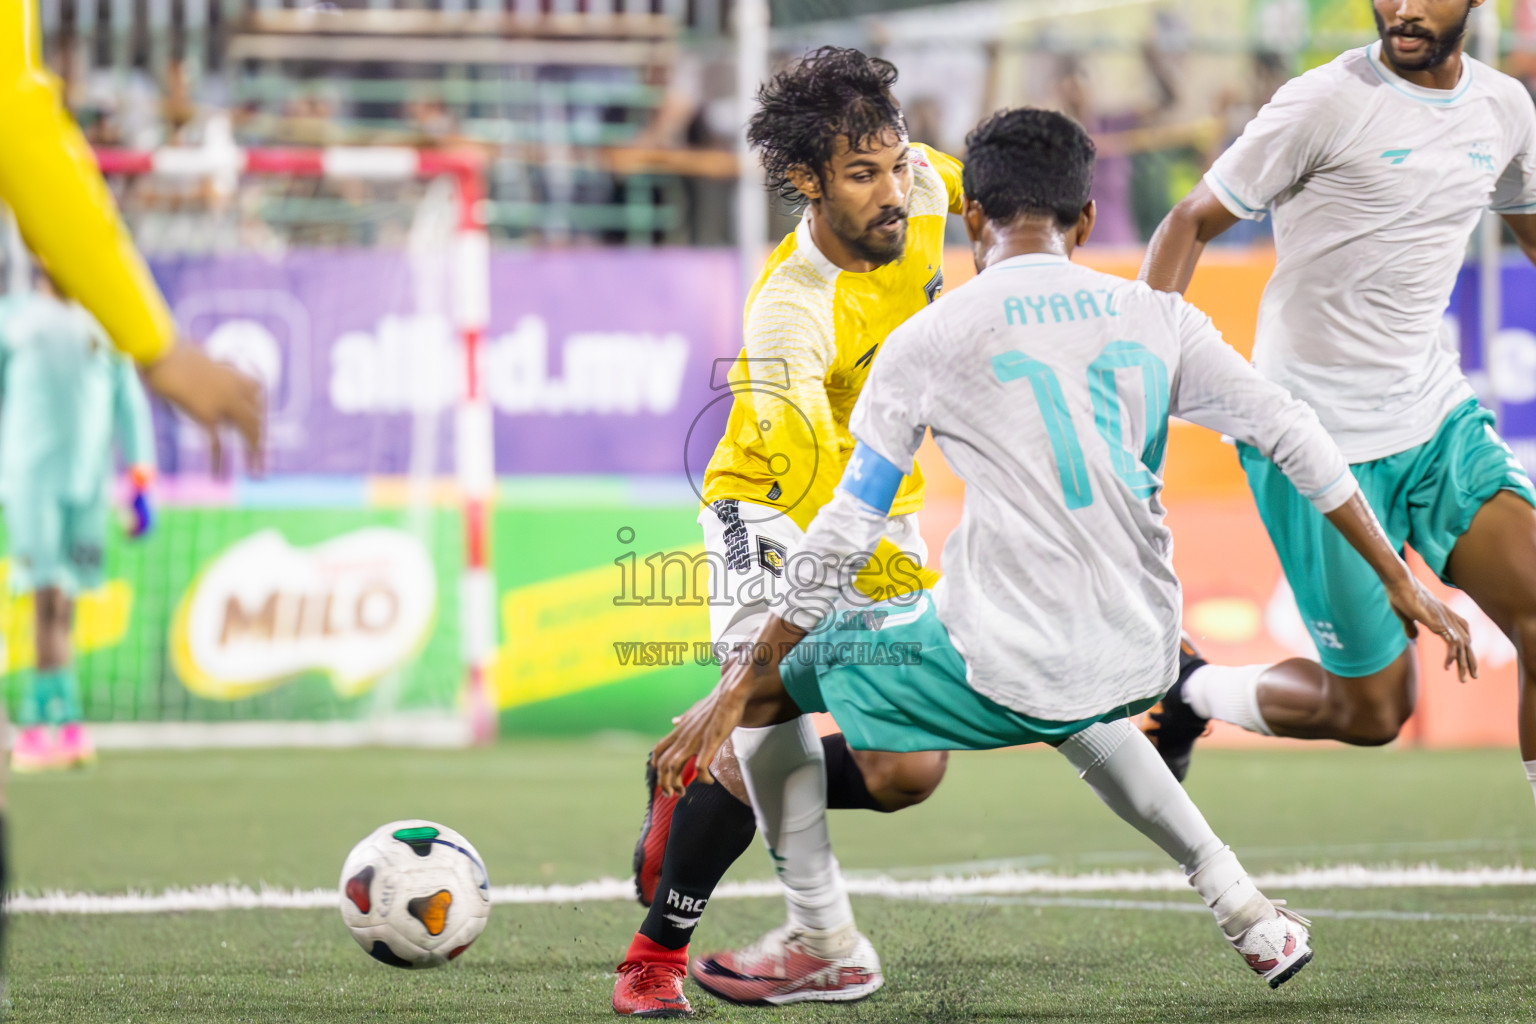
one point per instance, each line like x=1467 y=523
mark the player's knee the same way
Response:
x=1369 y=711
x=1522 y=632
x=1375 y=719
x=908 y=780
x=727 y=772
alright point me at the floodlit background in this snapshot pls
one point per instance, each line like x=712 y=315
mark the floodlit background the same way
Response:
x=325 y=605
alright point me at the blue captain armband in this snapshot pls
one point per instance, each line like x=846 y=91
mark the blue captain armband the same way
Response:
x=872 y=478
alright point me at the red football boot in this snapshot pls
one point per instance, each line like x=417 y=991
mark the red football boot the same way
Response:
x=654 y=830
x=650 y=982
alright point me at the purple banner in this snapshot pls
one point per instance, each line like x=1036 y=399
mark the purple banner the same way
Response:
x=596 y=361
x=1505 y=375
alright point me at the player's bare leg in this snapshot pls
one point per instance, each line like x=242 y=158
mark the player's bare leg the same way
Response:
x=1300 y=698
x=1495 y=563
x=892 y=782
x=1297 y=697
x=856 y=780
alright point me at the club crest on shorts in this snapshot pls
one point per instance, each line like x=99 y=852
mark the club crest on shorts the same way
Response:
x=771 y=555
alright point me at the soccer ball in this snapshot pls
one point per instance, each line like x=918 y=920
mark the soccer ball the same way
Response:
x=414 y=894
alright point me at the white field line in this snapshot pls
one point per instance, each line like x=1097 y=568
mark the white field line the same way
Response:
x=1008 y=883
x=1192 y=907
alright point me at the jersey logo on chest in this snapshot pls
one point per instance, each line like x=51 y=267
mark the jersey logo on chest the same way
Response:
x=934 y=286
x=1397 y=156
x=867 y=356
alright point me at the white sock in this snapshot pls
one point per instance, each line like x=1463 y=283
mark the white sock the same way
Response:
x=1228 y=693
x=786 y=776
x=1124 y=769
x=1225 y=887
x=1530 y=775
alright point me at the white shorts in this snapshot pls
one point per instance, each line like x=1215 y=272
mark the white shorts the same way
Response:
x=754 y=542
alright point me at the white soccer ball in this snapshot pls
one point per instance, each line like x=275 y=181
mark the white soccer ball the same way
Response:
x=414 y=894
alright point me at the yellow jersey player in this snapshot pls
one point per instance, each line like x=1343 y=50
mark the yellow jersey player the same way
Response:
x=49 y=179
x=865 y=257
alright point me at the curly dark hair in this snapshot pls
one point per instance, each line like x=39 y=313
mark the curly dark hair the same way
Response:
x=1029 y=161
x=831 y=92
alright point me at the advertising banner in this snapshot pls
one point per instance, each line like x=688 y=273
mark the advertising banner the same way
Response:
x=595 y=361
x=322 y=614
x=1505 y=374
x=230 y=614
x=352 y=608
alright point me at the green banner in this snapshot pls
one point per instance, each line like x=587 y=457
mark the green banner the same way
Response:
x=237 y=614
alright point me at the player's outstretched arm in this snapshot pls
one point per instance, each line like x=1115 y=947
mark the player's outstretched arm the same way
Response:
x=1292 y=135
x=1216 y=388
x=49 y=179
x=751 y=693
x=1181 y=238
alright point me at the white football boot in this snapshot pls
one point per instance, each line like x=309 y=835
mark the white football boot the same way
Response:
x=781 y=968
x=1271 y=938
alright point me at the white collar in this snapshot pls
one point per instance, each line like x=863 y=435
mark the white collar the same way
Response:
x=807 y=246
x=1438 y=97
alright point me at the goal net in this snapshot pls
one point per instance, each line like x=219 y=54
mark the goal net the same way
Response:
x=343 y=596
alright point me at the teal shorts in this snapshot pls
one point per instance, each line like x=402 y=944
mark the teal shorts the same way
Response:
x=891 y=677
x=1425 y=498
x=56 y=543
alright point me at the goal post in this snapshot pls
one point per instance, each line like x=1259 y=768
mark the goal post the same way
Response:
x=468 y=310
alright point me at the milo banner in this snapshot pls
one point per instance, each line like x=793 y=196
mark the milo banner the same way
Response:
x=231 y=613
x=595 y=360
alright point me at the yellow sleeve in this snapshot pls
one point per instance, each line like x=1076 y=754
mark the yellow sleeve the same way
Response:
x=789 y=351
x=49 y=179
x=950 y=172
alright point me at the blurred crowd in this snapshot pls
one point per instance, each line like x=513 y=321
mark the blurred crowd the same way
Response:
x=644 y=154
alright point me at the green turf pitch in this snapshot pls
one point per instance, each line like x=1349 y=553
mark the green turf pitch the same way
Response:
x=566 y=812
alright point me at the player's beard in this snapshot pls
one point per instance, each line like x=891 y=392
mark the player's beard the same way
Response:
x=1440 y=46
x=868 y=244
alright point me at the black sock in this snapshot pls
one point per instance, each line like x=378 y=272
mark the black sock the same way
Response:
x=846 y=790
x=710 y=830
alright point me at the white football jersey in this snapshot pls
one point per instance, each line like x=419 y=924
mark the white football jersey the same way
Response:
x=1375 y=185
x=1048 y=386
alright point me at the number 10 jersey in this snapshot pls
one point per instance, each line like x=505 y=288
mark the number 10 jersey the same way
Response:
x=1048 y=386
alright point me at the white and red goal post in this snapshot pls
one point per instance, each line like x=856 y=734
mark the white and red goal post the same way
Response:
x=469 y=302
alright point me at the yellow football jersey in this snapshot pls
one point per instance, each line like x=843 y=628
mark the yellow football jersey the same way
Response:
x=812 y=331
x=49 y=179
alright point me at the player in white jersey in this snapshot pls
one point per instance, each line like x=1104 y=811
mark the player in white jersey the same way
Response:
x=1375 y=168
x=1048 y=386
